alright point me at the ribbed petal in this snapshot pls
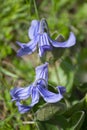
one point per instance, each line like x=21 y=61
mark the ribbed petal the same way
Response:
x=35 y=96
x=42 y=73
x=50 y=97
x=28 y=48
x=22 y=108
x=20 y=93
x=35 y=99
x=70 y=42
x=34 y=28
x=44 y=44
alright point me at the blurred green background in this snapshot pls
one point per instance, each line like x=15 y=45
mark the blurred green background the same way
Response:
x=62 y=16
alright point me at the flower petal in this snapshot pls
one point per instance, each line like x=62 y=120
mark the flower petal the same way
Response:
x=20 y=93
x=34 y=28
x=27 y=48
x=44 y=44
x=35 y=96
x=22 y=45
x=42 y=73
x=70 y=42
x=43 y=27
x=22 y=108
x=50 y=97
x=35 y=99
x=61 y=89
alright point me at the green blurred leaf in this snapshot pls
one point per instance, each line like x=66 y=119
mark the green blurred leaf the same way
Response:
x=6 y=72
x=63 y=74
x=83 y=88
x=82 y=67
x=25 y=127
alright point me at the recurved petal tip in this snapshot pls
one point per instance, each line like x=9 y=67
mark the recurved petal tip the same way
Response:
x=22 y=108
x=61 y=89
x=70 y=42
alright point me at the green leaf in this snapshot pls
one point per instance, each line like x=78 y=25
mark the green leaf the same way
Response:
x=83 y=87
x=78 y=106
x=47 y=111
x=63 y=74
x=76 y=120
x=59 y=120
x=6 y=72
x=46 y=126
x=56 y=123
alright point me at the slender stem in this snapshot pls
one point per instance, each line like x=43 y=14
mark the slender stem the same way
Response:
x=28 y=122
x=57 y=74
x=36 y=10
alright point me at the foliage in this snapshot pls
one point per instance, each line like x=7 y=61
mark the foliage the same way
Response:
x=71 y=65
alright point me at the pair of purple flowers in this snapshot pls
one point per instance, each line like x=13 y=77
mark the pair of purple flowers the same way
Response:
x=39 y=35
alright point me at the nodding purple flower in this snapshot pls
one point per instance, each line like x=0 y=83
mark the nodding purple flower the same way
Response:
x=35 y=90
x=39 y=35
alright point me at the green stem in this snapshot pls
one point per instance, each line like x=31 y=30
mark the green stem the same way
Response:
x=57 y=74
x=36 y=11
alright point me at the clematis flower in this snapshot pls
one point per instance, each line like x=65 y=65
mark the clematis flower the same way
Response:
x=35 y=90
x=39 y=35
